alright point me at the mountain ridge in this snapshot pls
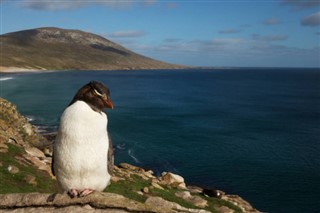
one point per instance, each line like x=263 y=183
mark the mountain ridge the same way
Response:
x=51 y=48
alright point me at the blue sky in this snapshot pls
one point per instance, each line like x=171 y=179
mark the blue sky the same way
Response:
x=235 y=33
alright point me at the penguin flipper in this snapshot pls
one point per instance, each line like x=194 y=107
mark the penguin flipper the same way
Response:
x=52 y=165
x=110 y=156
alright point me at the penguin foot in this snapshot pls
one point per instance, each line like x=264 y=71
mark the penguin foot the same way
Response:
x=73 y=193
x=85 y=192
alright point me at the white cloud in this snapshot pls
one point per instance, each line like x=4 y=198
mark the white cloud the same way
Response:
x=271 y=21
x=312 y=20
x=301 y=4
x=75 y=4
x=230 y=51
x=170 y=40
x=269 y=38
x=171 y=5
x=229 y=31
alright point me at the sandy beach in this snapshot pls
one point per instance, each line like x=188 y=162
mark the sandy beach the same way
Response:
x=18 y=69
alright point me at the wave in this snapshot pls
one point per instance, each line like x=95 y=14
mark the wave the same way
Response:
x=5 y=78
x=30 y=118
x=132 y=156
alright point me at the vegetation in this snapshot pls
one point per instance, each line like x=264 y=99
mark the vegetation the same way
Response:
x=17 y=183
x=132 y=188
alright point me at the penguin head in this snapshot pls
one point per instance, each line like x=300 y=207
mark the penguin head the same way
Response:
x=95 y=94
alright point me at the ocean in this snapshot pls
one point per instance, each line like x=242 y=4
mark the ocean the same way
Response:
x=251 y=132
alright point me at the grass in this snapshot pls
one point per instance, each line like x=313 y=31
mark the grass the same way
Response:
x=15 y=183
x=129 y=189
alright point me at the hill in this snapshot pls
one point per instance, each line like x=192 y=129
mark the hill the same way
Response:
x=61 y=49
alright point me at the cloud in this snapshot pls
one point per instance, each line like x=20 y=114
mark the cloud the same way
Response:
x=128 y=34
x=231 y=51
x=312 y=20
x=271 y=21
x=229 y=31
x=269 y=38
x=226 y=41
x=301 y=4
x=149 y=2
x=171 y=40
x=52 y=5
x=171 y=5
x=75 y=4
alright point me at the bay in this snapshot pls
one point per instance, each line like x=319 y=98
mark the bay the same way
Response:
x=251 y=132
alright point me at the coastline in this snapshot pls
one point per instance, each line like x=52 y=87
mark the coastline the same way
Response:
x=19 y=69
x=13 y=70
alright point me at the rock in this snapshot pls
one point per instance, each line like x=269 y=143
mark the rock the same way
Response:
x=149 y=174
x=198 y=201
x=115 y=179
x=28 y=128
x=30 y=180
x=130 y=167
x=15 y=128
x=35 y=152
x=195 y=189
x=167 y=206
x=47 y=152
x=3 y=149
x=181 y=186
x=195 y=200
x=223 y=209
x=108 y=202
x=13 y=169
x=238 y=201
x=96 y=202
x=183 y=194
x=145 y=190
x=157 y=186
x=168 y=178
x=140 y=193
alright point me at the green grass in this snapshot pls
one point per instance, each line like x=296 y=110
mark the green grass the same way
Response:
x=129 y=189
x=15 y=183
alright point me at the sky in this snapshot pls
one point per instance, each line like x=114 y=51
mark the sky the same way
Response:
x=218 y=33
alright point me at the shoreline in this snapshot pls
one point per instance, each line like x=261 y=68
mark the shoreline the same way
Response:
x=19 y=70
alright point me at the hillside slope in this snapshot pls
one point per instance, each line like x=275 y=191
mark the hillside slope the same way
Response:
x=60 y=49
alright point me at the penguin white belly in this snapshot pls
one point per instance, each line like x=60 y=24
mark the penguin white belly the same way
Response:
x=81 y=147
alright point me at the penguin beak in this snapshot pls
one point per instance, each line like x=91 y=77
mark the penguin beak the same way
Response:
x=108 y=102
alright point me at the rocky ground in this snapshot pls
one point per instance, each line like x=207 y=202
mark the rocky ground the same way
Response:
x=27 y=184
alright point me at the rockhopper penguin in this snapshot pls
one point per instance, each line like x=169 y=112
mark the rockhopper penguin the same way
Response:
x=80 y=152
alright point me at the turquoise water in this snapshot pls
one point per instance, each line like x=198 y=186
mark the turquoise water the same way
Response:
x=252 y=132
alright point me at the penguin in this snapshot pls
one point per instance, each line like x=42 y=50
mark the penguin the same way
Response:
x=82 y=147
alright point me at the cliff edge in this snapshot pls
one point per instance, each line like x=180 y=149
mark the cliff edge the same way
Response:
x=27 y=184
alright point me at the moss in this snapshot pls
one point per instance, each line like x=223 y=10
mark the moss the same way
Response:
x=129 y=188
x=216 y=202
x=169 y=194
x=15 y=183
